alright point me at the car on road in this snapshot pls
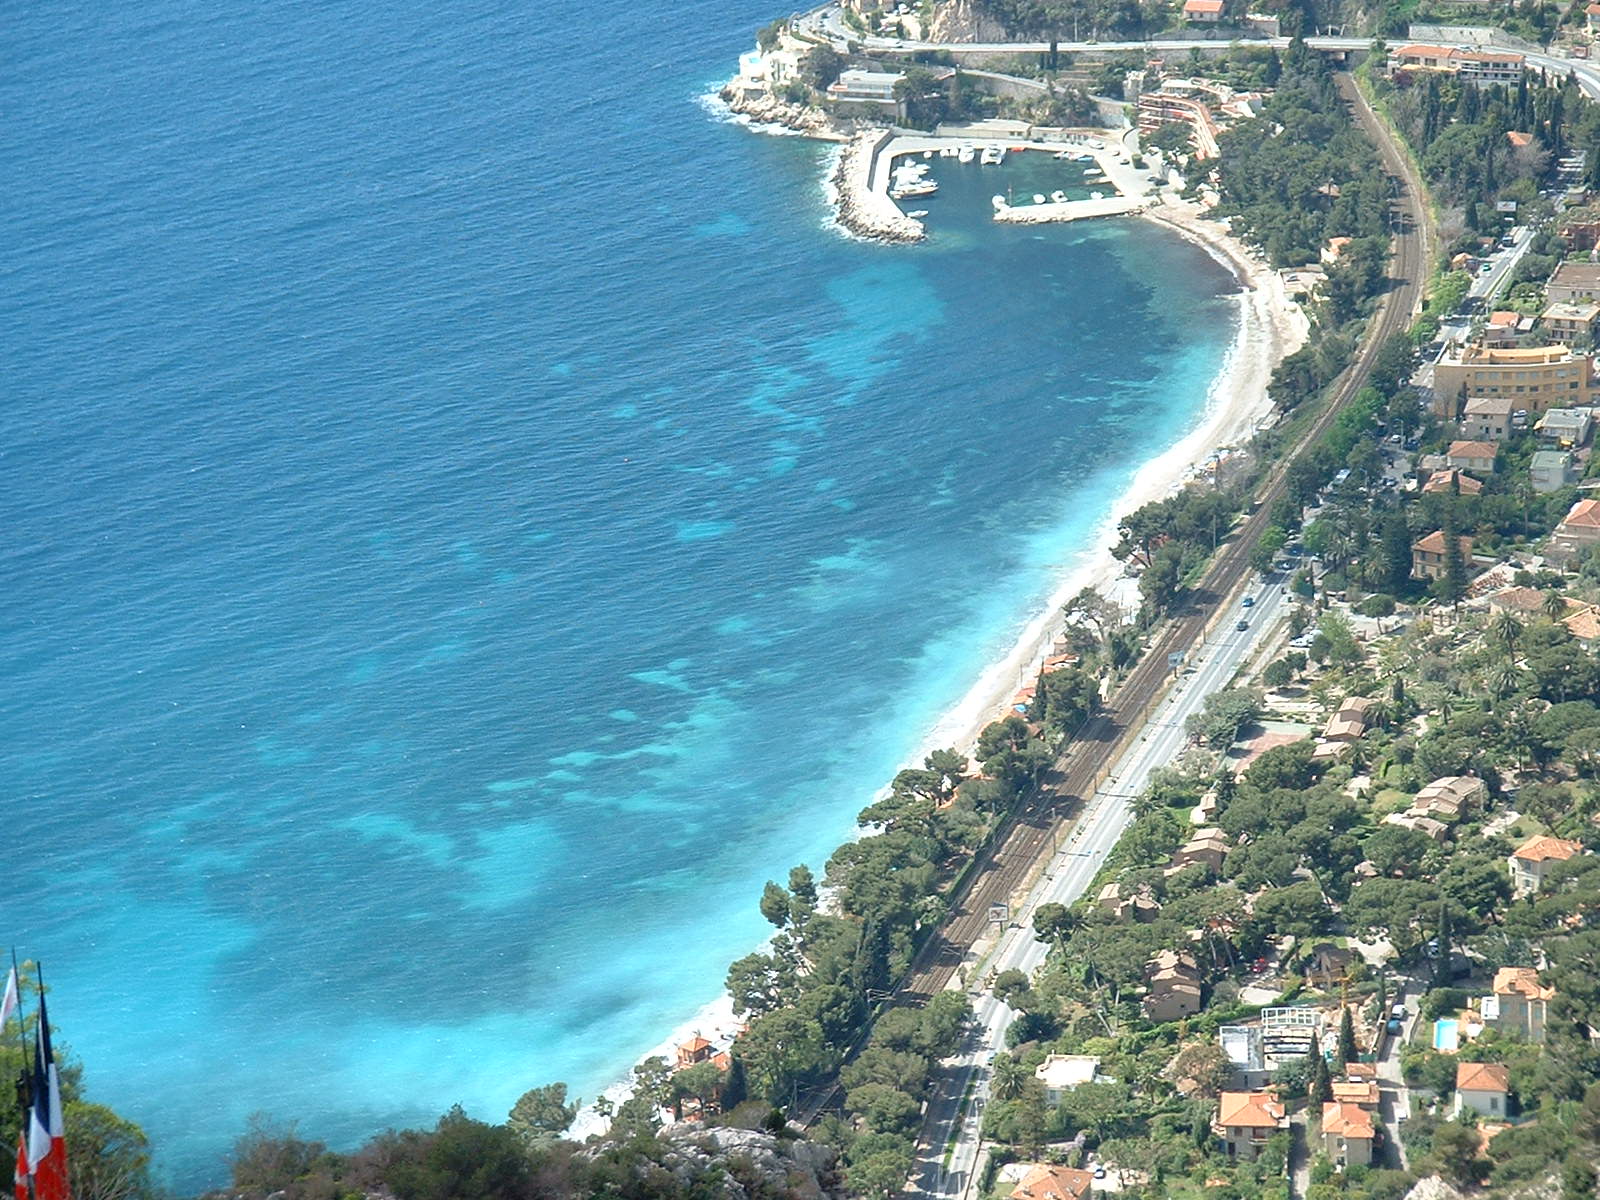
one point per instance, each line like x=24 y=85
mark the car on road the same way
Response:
x=1242 y=626
x=1249 y=602
x=1398 y=1011
x=1486 y=268
x=1393 y=1028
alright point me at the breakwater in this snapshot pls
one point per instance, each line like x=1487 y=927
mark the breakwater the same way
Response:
x=865 y=210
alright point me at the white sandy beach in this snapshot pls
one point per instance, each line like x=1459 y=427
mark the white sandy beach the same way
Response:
x=1270 y=327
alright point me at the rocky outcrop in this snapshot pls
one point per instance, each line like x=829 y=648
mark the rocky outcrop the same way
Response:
x=766 y=109
x=1433 y=1188
x=744 y=1163
x=964 y=21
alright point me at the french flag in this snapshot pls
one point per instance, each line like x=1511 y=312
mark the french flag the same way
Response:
x=19 y=1177
x=47 y=1144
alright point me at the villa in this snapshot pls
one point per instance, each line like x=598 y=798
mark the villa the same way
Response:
x=1517 y=1002
x=1245 y=1120
x=1347 y=1134
x=1482 y=1088
x=1530 y=861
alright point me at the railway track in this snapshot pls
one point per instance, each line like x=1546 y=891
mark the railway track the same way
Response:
x=1076 y=775
x=1005 y=868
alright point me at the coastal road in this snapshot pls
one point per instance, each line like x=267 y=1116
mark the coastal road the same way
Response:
x=826 y=24
x=960 y=1089
x=1132 y=712
x=1087 y=761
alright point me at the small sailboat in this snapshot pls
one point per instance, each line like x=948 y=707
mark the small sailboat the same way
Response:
x=966 y=154
x=1058 y=197
x=1038 y=197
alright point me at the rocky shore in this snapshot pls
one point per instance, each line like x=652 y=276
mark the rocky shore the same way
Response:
x=767 y=109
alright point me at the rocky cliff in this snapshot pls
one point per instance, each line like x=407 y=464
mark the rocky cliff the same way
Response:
x=964 y=21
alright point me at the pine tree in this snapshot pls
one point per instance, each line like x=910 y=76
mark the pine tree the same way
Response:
x=1453 y=583
x=1441 y=964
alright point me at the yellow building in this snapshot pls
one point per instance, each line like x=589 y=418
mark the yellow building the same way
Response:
x=1535 y=377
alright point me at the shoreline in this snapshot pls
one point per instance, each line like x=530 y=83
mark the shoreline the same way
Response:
x=1269 y=327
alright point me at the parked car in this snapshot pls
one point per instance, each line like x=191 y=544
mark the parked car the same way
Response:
x=1397 y=1011
x=1393 y=1028
x=1099 y=1170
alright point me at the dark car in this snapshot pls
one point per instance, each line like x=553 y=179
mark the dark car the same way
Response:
x=1249 y=602
x=1242 y=626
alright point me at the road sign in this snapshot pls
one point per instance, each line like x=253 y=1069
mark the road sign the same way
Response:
x=999 y=914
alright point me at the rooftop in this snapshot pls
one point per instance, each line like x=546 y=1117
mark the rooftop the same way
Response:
x=1576 y=274
x=1053 y=1183
x=1563 y=311
x=1520 y=981
x=1483 y=1077
x=1444 y=481
x=1249 y=1110
x=1585 y=513
x=1544 y=848
x=1434 y=544
x=1345 y=1119
x=1473 y=450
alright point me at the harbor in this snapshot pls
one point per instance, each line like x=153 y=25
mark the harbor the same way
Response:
x=886 y=177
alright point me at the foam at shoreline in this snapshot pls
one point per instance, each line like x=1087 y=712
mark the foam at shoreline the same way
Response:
x=1267 y=327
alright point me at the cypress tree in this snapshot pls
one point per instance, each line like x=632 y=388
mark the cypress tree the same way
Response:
x=1348 y=1051
x=735 y=1090
x=1321 y=1085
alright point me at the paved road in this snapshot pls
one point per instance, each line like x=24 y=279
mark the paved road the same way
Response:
x=1070 y=871
x=1394 y=1100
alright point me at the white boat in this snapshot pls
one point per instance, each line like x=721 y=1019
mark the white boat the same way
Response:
x=1097 y=195
x=927 y=154
x=993 y=156
x=998 y=201
x=1063 y=155
x=1058 y=197
x=917 y=212
x=966 y=154
x=1038 y=197
x=906 y=191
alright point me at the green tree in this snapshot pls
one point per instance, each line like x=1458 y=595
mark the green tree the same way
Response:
x=802 y=886
x=736 y=1089
x=110 y=1155
x=1456 y=1148
x=543 y=1112
x=775 y=904
x=1348 y=1051
x=1008 y=1077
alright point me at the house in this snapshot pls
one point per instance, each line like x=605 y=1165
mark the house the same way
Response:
x=1140 y=904
x=1584 y=624
x=1531 y=861
x=1578 y=530
x=1328 y=965
x=1573 y=283
x=1330 y=252
x=1567 y=427
x=1202 y=12
x=1488 y=418
x=1363 y=1093
x=1472 y=66
x=1566 y=323
x=1522 y=601
x=1174 y=990
x=1428 y=557
x=1430 y=827
x=1245 y=1120
x=1451 y=797
x=1206 y=846
x=1049 y=1182
x=1501 y=328
x=1350 y=721
x=1242 y=1045
x=1360 y=1072
x=1060 y=1073
x=1537 y=377
x=1452 y=481
x=1591 y=16
x=695 y=1050
x=1472 y=456
x=1347 y=1134
x=1483 y=1088
x=1518 y=1003
x=1550 y=471
x=858 y=90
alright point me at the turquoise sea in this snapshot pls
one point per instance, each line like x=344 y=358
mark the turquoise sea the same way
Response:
x=469 y=521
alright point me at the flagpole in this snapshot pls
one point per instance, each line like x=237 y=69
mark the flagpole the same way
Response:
x=24 y=1087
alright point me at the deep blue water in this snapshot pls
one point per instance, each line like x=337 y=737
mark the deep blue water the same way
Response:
x=468 y=522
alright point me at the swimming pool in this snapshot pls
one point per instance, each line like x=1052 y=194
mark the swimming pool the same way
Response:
x=1447 y=1034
